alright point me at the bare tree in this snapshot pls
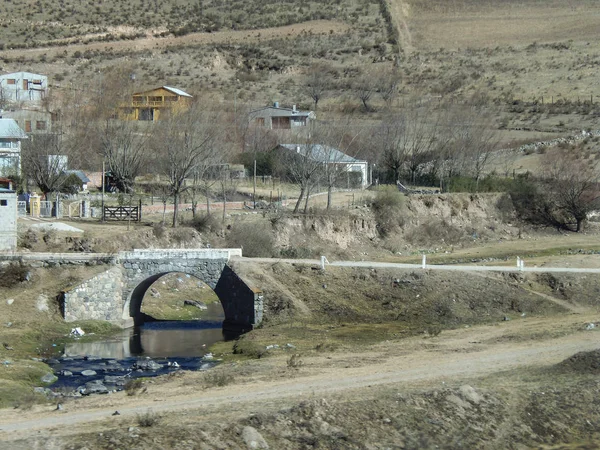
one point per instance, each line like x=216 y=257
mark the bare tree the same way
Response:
x=572 y=187
x=475 y=138
x=183 y=143
x=341 y=146
x=123 y=148
x=387 y=85
x=318 y=82
x=44 y=160
x=301 y=161
x=365 y=86
x=408 y=139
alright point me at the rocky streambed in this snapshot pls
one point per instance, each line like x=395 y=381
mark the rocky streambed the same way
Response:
x=85 y=375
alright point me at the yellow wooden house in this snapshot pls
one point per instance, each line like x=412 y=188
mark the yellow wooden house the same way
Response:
x=151 y=105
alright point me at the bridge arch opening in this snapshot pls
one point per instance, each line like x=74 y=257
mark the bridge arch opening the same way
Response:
x=162 y=297
x=242 y=305
x=180 y=296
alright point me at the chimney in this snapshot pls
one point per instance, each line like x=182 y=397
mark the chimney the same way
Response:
x=276 y=104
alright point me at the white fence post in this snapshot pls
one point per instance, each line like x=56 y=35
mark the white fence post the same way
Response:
x=424 y=262
x=323 y=261
x=518 y=262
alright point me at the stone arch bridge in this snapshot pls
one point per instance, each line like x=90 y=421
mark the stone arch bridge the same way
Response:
x=116 y=294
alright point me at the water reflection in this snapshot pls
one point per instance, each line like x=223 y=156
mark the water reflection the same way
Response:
x=158 y=339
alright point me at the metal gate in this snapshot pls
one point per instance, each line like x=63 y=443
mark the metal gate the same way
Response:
x=22 y=208
x=45 y=209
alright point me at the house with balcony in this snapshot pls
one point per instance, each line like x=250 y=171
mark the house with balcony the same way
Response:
x=23 y=88
x=11 y=136
x=152 y=104
x=280 y=118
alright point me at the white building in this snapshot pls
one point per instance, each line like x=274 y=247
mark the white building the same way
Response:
x=8 y=216
x=332 y=157
x=10 y=147
x=23 y=87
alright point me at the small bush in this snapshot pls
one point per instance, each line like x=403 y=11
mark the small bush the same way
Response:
x=13 y=274
x=256 y=239
x=148 y=419
x=159 y=230
x=132 y=387
x=294 y=361
x=28 y=239
x=204 y=223
x=248 y=348
x=388 y=207
x=218 y=379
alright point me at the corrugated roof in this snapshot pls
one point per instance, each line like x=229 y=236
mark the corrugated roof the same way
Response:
x=177 y=91
x=321 y=153
x=282 y=112
x=82 y=176
x=9 y=129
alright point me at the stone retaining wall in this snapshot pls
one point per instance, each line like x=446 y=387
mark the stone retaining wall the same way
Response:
x=99 y=298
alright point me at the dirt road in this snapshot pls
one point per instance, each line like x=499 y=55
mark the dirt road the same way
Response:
x=457 y=355
x=160 y=43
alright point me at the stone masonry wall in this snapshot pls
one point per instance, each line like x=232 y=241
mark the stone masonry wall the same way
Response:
x=99 y=298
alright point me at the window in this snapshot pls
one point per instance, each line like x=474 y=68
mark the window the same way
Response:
x=11 y=81
x=38 y=82
x=4 y=144
x=40 y=125
x=3 y=202
x=28 y=126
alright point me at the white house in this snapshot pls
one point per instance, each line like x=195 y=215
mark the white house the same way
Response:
x=331 y=156
x=10 y=147
x=23 y=87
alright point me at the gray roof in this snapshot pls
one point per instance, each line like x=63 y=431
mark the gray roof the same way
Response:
x=82 y=176
x=177 y=91
x=9 y=129
x=324 y=153
x=274 y=111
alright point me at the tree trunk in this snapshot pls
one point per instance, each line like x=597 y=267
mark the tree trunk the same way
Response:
x=306 y=200
x=164 y=212
x=329 y=195
x=224 y=201
x=299 y=201
x=579 y=224
x=175 y=209
x=207 y=205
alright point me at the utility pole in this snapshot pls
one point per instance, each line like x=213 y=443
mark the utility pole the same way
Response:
x=254 y=195
x=103 y=179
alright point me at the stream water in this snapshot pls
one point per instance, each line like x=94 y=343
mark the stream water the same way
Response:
x=152 y=349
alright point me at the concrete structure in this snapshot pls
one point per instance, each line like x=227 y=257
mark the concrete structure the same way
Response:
x=11 y=136
x=116 y=295
x=23 y=87
x=333 y=158
x=32 y=121
x=276 y=118
x=150 y=105
x=8 y=216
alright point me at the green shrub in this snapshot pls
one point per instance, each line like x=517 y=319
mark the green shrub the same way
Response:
x=249 y=348
x=388 y=208
x=256 y=239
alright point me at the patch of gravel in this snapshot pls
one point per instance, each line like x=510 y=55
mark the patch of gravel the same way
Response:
x=57 y=226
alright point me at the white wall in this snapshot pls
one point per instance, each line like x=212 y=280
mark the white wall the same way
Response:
x=8 y=221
